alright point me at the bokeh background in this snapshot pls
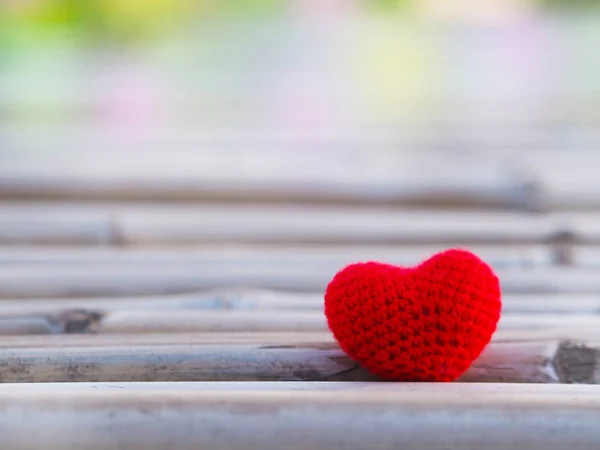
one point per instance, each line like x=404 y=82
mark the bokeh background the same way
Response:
x=109 y=84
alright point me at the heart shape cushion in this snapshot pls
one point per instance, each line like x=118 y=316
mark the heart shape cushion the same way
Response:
x=424 y=323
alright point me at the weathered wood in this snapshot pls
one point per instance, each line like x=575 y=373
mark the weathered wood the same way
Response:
x=535 y=362
x=103 y=281
x=300 y=416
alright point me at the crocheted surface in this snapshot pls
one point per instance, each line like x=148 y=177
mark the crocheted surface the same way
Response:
x=426 y=323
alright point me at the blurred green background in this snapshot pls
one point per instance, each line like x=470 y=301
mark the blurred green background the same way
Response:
x=147 y=67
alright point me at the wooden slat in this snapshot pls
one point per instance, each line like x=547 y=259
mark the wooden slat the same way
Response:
x=531 y=362
x=301 y=417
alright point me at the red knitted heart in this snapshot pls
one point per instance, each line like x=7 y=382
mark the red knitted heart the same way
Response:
x=426 y=323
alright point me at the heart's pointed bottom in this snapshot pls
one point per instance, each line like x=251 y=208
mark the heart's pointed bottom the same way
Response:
x=422 y=324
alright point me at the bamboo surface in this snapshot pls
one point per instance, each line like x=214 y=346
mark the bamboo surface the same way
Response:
x=300 y=416
x=271 y=176
x=156 y=225
x=283 y=302
x=529 y=362
x=153 y=225
x=57 y=281
x=170 y=219
x=232 y=255
x=190 y=314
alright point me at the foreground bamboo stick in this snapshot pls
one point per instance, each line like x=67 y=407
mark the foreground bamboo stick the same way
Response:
x=303 y=417
x=529 y=362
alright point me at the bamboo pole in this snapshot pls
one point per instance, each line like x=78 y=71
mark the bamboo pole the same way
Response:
x=139 y=318
x=299 y=416
x=154 y=225
x=258 y=338
x=279 y=181
x=332 y=225
x=526 y=362
x=168 y=321
x=102 y=281
x=284 y=302
x=50 y=229
x=161 y=339
x=329 y=257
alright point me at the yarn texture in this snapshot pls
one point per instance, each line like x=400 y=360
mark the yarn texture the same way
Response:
x=423 y=323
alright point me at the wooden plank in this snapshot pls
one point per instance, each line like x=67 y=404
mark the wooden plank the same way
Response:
x=56 y=281
x=300 y=416
x=530 y=362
